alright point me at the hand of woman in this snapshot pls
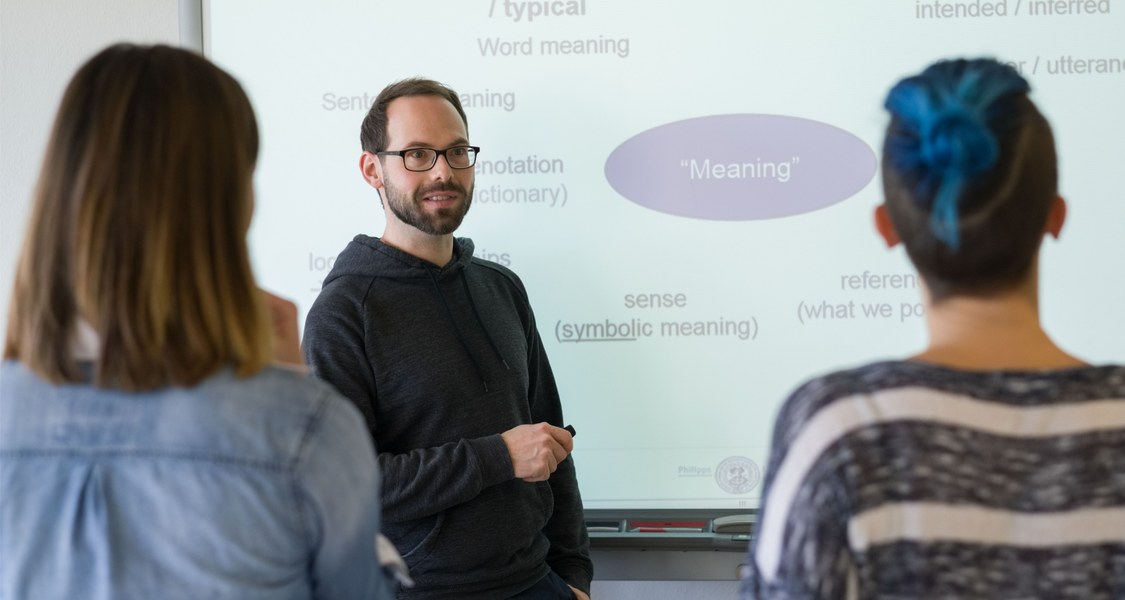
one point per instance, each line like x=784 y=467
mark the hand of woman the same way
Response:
x=286 y=340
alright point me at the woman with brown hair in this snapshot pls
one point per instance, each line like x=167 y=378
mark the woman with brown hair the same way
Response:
x=149 y=448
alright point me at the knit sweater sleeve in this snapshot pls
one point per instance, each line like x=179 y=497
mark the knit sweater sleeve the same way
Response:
x=569 y=554
x=334 y=348
x=800 y=549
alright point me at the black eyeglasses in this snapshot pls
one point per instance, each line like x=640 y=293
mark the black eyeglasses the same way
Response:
x=424 y=159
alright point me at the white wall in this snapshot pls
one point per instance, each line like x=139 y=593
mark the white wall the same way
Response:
x=42 y=44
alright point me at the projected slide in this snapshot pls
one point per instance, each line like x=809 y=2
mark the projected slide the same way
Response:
x=685 y=188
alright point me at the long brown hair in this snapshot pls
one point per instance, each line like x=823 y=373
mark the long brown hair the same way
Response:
x=139 y=227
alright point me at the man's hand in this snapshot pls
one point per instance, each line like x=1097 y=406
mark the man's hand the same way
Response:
x=537 y=450
x=578 y=593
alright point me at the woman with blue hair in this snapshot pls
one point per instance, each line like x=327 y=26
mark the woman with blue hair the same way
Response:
x=982 y=467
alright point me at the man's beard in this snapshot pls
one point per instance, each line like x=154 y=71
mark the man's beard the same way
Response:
x=409 y=210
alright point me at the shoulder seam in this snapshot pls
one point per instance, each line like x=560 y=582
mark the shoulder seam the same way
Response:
x=506 y=273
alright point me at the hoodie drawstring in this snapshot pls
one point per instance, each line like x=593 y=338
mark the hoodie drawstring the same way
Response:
x=472 y=303
x=457 y=330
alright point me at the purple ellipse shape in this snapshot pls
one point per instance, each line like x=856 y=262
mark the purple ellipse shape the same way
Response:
x=740 y=167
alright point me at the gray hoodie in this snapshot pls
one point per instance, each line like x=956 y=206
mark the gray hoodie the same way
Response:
x=441 y=361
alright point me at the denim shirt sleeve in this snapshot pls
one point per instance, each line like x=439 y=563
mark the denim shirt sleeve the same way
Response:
x=337 y=490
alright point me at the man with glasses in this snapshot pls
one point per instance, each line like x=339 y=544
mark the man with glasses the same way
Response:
x=440 y=352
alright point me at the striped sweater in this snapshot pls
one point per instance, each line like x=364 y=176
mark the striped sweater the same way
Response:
x=908 y=480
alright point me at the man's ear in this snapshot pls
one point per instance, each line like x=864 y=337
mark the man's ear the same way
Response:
x=885 y=227
x=1056 y=217
x=371 y=169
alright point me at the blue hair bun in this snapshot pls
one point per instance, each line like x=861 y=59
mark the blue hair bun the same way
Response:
x=947 y=132
x=956 y=142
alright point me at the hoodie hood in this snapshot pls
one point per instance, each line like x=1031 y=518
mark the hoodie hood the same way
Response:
x=369 y=257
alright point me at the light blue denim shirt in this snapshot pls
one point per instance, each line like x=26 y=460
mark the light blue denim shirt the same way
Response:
x=264 y=487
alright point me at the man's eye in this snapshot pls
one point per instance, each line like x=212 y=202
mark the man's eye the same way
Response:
x=417 y=154
x=459 y=151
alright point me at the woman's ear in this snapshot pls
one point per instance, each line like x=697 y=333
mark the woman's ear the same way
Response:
x=1056 y=217
x=885 y=228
